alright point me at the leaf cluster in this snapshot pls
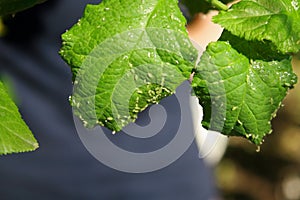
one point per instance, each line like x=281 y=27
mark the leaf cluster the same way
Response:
x=240 y=80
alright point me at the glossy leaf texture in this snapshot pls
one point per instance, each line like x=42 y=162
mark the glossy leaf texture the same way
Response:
x=125 y=56
x=15 y=136
x=240 y=96
x=277 y=21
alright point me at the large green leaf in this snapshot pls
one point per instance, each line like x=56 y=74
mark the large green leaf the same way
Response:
x=126 y=55
x=13 y=6
x=240 y=96
x=277 y=21
x=15 y=136
x=255 y=50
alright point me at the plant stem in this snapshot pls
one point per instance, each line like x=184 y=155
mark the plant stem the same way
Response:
x=218 y=4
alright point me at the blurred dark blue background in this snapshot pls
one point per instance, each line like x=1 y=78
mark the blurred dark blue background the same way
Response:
x=62 y=168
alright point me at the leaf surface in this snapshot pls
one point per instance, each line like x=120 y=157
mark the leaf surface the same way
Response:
x=277 y=21
x=125 y=56
x=15 y=136
x=240 y=96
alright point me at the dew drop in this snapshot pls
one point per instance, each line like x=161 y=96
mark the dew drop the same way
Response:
x=130 y=35
x=150 y=75
x=100 y=123
x=248 y=79
x=172 y=16
x=272 y=101
x=295 y=4
x=258 y=149
x=234 y=108
x=85 y=123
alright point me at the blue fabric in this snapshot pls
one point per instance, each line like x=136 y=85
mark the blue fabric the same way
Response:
x=62 y=168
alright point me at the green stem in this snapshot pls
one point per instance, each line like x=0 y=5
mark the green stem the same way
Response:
x=218 y=4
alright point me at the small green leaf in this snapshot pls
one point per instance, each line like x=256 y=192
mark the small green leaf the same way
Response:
x=125 y=56
x=15 y=136
x=277 y=21
x=240 y=96
x=14 y=6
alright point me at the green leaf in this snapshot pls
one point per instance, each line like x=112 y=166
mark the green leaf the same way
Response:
x=14 y=6
x=15 y=136
x=240 y=96
x=255 y=50
x=125 y=56
x=277 y=21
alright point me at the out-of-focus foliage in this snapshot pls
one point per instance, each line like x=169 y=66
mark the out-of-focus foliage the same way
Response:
x=2 y=28
x=13 y=6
